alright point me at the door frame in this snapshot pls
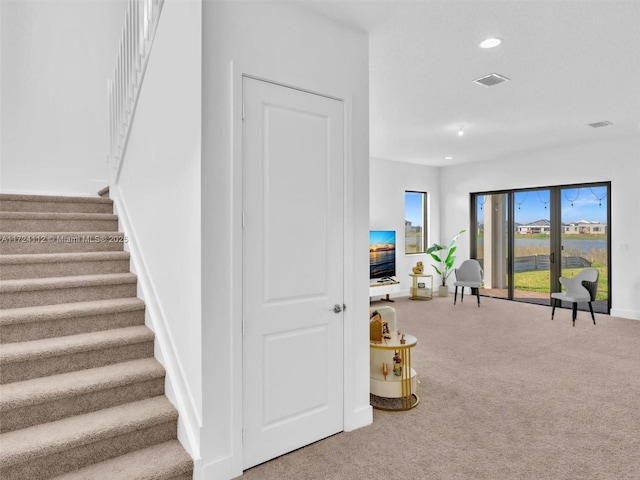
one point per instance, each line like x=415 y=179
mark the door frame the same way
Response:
x=555 y=217
x=356 y=351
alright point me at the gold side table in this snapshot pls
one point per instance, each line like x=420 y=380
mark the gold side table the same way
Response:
x=420 y=288
x=392 y=389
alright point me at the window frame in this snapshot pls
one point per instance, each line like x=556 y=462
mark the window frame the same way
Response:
x=424 y=226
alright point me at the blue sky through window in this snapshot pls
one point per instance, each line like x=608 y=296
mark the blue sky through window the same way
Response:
x=584 y=203
x=413 y=208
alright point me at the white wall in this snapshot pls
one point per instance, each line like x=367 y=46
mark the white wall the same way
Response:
x=284 y=43
x=388 y=182
x=618 y=162
x=56 y=57
x=158 y=201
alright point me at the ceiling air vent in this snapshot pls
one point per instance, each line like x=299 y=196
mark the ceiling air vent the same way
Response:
x=604 y=123
x=490 y=80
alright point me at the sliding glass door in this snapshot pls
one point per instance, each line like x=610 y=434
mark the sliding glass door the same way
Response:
x=532 y=256
x=527 y=238
x=492 y=241
x=585 y=236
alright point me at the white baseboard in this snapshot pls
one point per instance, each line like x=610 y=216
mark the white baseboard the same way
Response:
x=219 y=469
x=360 y=417
x=629 y=314
x=176 y=387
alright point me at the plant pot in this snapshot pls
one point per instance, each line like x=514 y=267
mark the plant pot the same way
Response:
x=443 y=290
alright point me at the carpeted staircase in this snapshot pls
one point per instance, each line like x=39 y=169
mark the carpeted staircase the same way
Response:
x=81 y=395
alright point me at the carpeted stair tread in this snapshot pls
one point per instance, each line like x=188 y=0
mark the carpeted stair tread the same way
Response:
x=49 y=265
x=104 y=192
x=35 y=284
x=31 y=443
x=58 y=346
x=56 y=216
x=67 y=241
x=66 y=310
x=67 y=385
x=6 y=197
x=166 y=460
x=53 y=203
x=61 y=257
x=31 y=292
x=57 y=222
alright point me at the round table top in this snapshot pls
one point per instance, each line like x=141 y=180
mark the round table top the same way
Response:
x=393 y=343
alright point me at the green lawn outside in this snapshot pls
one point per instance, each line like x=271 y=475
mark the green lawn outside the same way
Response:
x=538 y=281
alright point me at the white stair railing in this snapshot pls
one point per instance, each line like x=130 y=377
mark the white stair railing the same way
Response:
x=138 y=32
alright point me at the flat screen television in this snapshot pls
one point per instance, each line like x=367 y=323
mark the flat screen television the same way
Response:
x=382 y=254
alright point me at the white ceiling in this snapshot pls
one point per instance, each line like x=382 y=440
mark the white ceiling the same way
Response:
x=570 y=63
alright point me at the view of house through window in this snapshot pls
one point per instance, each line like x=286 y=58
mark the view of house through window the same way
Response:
x=415 y=222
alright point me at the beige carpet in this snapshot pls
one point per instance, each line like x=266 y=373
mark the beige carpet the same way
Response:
x=506 y=393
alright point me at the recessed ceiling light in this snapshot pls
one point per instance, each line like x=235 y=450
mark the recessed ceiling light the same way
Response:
x=448 y=158
x=491 y=42
x=460 y=130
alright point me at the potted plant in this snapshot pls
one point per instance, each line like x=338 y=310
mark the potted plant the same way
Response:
x=445 y=258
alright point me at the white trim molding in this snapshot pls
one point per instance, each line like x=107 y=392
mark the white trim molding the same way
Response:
x=176 y=387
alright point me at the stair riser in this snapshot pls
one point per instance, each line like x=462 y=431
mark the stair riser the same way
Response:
x=89 y=453
x=53 y=365
x=55 y=207
x=24 y=332
x=68 y=406
x=45 y=225
x=58 y=243
x=57 y=296
x=62 y=269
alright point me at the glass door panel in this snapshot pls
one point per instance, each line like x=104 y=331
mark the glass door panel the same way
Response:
x=532 y=246
x=492 y=240
x=585 y=232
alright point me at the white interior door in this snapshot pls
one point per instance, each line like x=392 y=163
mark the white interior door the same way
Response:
x=293 y=266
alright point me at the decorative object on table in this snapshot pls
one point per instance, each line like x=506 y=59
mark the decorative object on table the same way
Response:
x=393 y=392
x=397 y=364
x=445 y=258
x=421 y=286
x=402 y=340
x=375 y=327
x=419 y=268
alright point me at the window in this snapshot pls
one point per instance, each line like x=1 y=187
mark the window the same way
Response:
x=527 y=238
x=415 y=222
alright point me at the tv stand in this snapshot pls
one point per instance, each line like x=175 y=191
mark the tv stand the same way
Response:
x=385 y=287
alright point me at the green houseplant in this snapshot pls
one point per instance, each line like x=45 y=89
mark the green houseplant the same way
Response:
x=445 y=258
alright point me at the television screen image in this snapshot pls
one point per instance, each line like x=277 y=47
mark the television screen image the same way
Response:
x=382 y=254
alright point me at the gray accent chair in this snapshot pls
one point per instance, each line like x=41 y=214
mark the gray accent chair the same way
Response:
x=579 y=289
x=468 y=274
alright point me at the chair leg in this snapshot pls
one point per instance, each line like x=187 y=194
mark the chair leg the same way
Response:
x=478 y=295
x=455 y=296
x=574 y=312
x=462 y=295
x=553 y=309
x=592 y=315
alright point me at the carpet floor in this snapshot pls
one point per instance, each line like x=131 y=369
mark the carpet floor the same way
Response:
x=505 y=393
